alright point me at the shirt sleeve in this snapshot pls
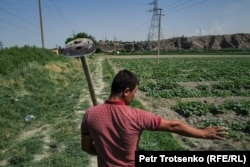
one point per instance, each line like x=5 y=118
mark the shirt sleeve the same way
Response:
x=148 y=120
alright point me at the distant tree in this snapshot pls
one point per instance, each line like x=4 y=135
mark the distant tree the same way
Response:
x=80 y=35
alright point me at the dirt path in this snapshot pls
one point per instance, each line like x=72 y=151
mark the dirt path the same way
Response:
x=168 y=56
x=98 y=87
x=97 y=80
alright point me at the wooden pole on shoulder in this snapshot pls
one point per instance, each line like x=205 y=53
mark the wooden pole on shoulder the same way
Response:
x=89 y=79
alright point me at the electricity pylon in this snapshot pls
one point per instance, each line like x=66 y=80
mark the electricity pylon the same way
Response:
x=155 y=26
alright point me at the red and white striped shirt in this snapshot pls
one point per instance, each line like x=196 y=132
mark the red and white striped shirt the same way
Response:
x=115 y=129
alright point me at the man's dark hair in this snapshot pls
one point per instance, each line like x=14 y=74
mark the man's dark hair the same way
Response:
x=124 y=79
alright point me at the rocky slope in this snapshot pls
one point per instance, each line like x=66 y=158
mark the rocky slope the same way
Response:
x=240 y=40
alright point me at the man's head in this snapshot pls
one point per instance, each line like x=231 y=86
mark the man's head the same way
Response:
x=124 y=85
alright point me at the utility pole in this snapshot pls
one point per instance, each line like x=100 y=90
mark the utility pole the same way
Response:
x=155 y=24
x=41 y=22
x=159 y=34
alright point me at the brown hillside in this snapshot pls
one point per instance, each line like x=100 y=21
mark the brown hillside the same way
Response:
x=240 y=40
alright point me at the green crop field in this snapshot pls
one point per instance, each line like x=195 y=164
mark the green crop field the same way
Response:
x=206 y=90
x=43 y=98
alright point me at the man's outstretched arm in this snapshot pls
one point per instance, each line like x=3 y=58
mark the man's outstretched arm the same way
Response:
x=181 y=128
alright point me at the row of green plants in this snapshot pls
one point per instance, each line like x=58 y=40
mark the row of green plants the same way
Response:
x=236 y=129
x=173 y=89
x=211 y=52
x=228 y=76
x=195 y=108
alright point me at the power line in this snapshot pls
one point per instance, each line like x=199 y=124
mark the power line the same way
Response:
x=61 y=15
x=181 y=5
x=17 y=27
x=30 y=28
x=141 y=27
x=14 y=25
x=56 y=12
x=18 y=17
x=52 y=12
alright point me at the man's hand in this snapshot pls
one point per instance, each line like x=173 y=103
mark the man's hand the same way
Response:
x=216 y=132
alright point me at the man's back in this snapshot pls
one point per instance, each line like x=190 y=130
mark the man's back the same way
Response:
x=115 y=129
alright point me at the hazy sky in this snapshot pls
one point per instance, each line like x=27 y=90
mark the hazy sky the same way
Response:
x=125 y=20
